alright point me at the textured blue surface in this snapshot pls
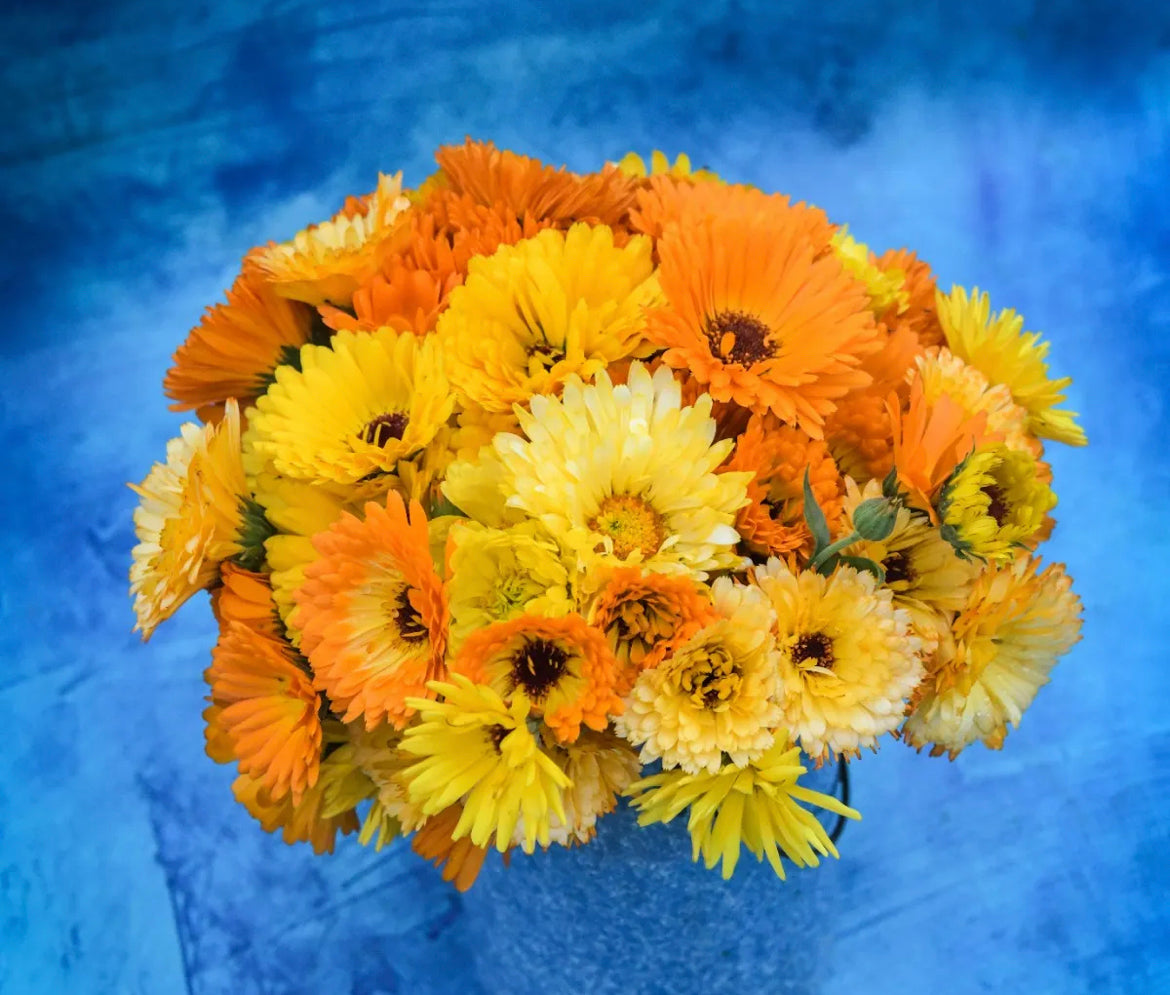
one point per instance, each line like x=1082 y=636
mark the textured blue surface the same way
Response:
x=148 y=143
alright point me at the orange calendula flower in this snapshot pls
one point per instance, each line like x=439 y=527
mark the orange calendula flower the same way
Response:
x=459 y=859
x=268 y=710
x=246 y=597
x=374 y=613
x=920 y=315
x=562 y=667
x=763 y=315
x=237 y=346
x=860 y=437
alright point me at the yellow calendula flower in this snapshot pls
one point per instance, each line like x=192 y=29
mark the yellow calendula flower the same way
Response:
x=848 y=658
x=475 y=749
x=993 y=502
x=600 y=766
x=756 y=805
x=189 y=518
x=496 y=574
x=354 y=410
x=535 y=312
x=633 y=164
x=1018 y=621
x=1000 y=349
x=885 y=287
x=713 y=695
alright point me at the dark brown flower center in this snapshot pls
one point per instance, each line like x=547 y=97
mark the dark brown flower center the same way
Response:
x=385 y=427
x=815 y=646
x=897 y=567
x=411 y=627
x=545 y=354
x=739 y=337
x=496 y=735
x=997 y=506
x=537 y=666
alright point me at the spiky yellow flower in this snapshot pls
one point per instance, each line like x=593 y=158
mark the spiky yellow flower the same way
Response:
x=884 y=286
x=756 y=805
x=354 y=409
x=1018 y=621
x=189 y=518
x=993 y=502
x=618 y=476
x=535 y=312
x=714 y=694
x=634 y=165
x=496 y=574
x=847 y=657
x=474 y=749
x=999 y=348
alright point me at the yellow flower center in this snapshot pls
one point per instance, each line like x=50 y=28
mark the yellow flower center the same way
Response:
x=739 y=337
x=631 y=523
x=710 y=678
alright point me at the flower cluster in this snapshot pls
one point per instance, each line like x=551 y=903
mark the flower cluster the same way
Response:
x=526 y=489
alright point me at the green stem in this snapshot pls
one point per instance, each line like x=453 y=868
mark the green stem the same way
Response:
x=834 y=547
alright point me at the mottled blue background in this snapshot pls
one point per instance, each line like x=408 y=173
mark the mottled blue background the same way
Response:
x=1023 y=147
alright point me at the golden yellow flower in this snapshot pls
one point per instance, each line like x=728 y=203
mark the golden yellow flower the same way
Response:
x=994 y=502
x=354 y=410
x=848 y=657
x=885 y=287
x=714 y=694
x=634 y=165
x=535 y=312
x=756 y=805
x=1018 y=621
x=476 y=750
x=600 y=766
x=188 y=520
x=999 y=348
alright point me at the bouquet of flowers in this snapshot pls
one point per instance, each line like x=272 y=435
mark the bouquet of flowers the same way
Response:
x=528 y=489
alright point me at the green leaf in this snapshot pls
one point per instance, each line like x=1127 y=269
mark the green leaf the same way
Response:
x=253 y=531
x=815 y=518
x=890 y=485
x=865 y=563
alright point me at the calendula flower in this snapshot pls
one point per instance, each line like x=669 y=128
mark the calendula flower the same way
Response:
x=245 y=596
x=459 y=859
x=847 y=657
x=476 y=750
x=664 y=200
x=374 y=612
x=236 y=348
x=617 y=475
x=859 y=436
x=496 y=574
x=354 y=410
x=756 y=805
x=600 y=766
x=714 y=694
x=533 y=313
x=761 y=312
x=188 y=519
x=268 y=710
x=646 y=616
x=919 y=315
x=328 y=262
x=634 y=165
x=561 y=666
x=994 y=502
x=884 y=286
x=999 y=348
x=1018 y=621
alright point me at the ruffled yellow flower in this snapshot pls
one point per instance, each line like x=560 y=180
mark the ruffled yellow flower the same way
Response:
x=993 y=502
x=475 y=749
x=1016 y=624
x=848 y=657
x=354 y=410
x=188 y=520
x=714 y=694
x=600 y=766
x=535 y=312
x=497 y=574
x=885 y=287
x=634 y=165
x=756 y=806
x=1000 y=349
x=326 y=263
x=617 y=475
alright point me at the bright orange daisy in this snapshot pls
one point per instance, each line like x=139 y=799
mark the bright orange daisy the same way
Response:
x=374 y=612
x=244 y=596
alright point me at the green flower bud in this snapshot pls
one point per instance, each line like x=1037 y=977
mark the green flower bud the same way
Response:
x=875 y=519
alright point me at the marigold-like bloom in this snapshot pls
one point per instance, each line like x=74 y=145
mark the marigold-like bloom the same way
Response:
x=476 y=750
x=884 y=286
x=617 y=475
x=634 y=165
x=920 y=314
x=712 y=695
x=561 y=666
x=847 y=657
x=762 y=314
x=1018 y=621
x=772 y=523
x=754 y=805
x=646 y=616
x=459 y=860
x=188 y=518
x=994 y=502
x=665 y=200
x=268 y=710
x=374 y=612
x=326 y=263
x=235 y=349
x=496 y=574
x=402 y=297
x=859 y=435
x=354 y=410
x=600 y=766
x=999 y=348
x=245 y=596
x=533 y=313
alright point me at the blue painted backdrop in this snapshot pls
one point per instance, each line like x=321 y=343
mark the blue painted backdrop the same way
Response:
x=148 y=143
